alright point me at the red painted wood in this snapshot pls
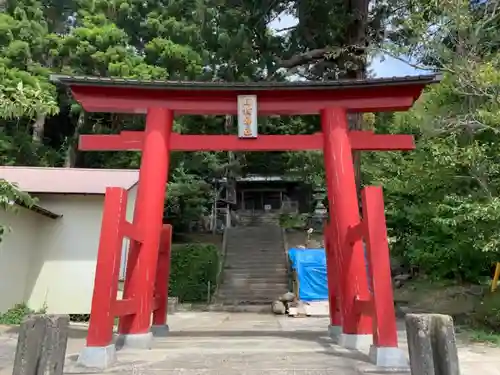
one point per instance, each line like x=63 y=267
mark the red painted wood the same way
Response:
x=156 y=303
x=131 y=231
x=333 y=278
x=133 y=141
x=215 y=107
x=163 y=276
x=107 y=268
x=355 y=233
x=212 y=102
x=141 y=272
x=124 y=307
x=365 y=306
x=343 y=201
x=368 y=141
x=380 y=269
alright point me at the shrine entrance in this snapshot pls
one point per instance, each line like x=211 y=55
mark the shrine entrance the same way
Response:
x=359 y=312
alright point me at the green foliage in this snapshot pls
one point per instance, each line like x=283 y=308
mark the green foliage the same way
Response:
x=193 y=271
x=188 y=198
x=16 y=314
x=442 y=199
x=293 y=221
x=487 y=313
x=10 y=197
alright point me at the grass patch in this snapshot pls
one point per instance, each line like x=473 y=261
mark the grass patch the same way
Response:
x=478 y=335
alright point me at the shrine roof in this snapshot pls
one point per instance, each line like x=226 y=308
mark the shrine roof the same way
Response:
x=246 y=86
x=101 y=94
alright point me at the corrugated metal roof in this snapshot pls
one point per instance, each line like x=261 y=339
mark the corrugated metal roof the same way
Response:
x=69 y=180
x=262 y=85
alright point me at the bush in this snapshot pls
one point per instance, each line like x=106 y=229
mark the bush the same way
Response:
x=293 y=221
x=193 y=267
x=15 y=315
x=487 y=313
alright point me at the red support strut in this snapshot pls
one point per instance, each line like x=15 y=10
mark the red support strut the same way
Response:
x=162 y=277
x=107 y=268
x=148 y=215
x=333 y=278
x=385 y=330
x=343 y=202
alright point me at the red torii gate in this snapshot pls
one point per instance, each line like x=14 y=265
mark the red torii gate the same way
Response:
x=361 y=305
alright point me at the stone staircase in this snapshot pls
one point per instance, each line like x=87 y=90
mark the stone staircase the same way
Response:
x=258 y=218
x=255 y=267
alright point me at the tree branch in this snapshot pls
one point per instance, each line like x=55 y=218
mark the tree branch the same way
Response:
x=304 y=58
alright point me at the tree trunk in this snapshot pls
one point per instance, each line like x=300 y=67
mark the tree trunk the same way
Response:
x=39 y=128
x=72 y=150
x=357 y=41
x=231 y=181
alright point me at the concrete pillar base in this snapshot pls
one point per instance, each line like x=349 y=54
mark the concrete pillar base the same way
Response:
x=357 y=342
x=389 y=357
x=100 y=357
x=135 y=341
x=160 y=330
x=334 y=332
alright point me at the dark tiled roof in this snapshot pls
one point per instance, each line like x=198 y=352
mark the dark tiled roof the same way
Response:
x=263 y=85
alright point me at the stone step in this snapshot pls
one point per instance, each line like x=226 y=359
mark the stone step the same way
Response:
x=270 y=295
x=251 y=297
x=257 y=256
x=249 y=286
x=256 y=236
x=255 y=274
x=255 y=269
x=238 y=244
x=253 y=284
x=259 y=273
x=245 y=293
x=247 y=273
x=239 y=247
x=252 y=262
x=254 y=232
x=248 y=266
x=256 y=250
x=253 y=265
x=254 y=300
x=227 y=306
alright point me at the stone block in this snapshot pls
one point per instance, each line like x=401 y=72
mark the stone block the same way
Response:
x=418 y=332
x=97 y=357
x=41 y=345
x=278 y=308
x=135 y=341
x=29 y=345
x=172 y=303
x=444 y=346
x=431 y=343
x=54 y=345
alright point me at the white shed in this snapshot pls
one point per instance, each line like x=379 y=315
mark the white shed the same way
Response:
x=48 y=257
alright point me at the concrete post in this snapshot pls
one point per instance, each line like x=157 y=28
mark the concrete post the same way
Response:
x=41 y=346
x=431 y=343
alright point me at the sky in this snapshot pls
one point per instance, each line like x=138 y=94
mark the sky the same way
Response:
x=389 y=67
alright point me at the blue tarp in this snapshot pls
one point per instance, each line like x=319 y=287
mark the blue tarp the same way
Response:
x=310 y=267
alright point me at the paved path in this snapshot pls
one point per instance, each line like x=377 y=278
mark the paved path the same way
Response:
x=238 y=343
